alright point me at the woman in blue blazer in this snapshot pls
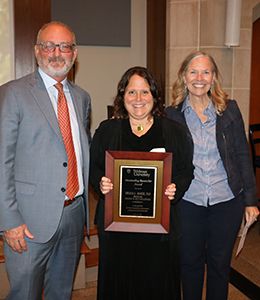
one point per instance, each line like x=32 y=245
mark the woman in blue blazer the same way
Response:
x=223 y=187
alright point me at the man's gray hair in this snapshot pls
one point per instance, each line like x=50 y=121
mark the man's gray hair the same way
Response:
x=38 y=40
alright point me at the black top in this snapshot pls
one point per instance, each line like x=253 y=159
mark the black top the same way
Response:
x=140 y=266
x=146 y=142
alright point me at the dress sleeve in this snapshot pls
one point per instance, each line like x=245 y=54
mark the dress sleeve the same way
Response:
x=236 y=140
x=97 y=159
x=180 y=144
x=106 y=137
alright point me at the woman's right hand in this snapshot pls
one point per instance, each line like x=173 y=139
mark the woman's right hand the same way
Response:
x=105 y=185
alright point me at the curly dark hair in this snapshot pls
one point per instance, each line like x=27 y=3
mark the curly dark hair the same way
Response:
x=119 y=111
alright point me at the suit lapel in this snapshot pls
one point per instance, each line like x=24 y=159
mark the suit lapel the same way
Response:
x=79 y=111
x=76 y=103
x=77 y=98
x=42 y=98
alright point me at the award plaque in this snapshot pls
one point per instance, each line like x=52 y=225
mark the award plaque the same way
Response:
x=137 y=202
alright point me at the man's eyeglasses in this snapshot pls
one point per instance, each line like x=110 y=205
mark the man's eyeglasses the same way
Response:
x=50 y=47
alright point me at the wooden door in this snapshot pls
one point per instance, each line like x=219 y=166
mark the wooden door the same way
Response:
x=29 y=16
x=254 y=116
x=156 y=41
x=255 y=75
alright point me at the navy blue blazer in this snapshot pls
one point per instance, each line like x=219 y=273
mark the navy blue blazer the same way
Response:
x=233 y=148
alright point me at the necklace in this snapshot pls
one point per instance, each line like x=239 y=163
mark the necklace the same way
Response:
x=140 y=127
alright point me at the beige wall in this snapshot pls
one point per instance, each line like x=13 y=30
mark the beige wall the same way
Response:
x=100 y=68
x=6 y=41
x=191 y=24
x=200 y=24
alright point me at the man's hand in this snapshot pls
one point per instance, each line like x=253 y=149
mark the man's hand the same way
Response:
x=15 y=238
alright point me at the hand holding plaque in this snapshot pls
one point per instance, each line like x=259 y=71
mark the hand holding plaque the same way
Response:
x=137 y=202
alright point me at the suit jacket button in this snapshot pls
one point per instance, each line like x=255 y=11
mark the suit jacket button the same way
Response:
x=65 y=164
x=63 y=189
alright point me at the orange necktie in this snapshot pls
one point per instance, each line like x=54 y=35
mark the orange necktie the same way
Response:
x=65 y=128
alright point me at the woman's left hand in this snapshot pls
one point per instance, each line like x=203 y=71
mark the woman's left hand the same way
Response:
x=251 y=213
x=170 y=191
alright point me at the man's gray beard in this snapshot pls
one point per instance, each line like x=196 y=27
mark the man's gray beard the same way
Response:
x=57 y=73
x=53 y=72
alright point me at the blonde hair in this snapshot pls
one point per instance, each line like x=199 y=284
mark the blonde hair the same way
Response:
x=179 y=90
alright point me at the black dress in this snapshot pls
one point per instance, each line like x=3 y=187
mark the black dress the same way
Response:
x=135 y=266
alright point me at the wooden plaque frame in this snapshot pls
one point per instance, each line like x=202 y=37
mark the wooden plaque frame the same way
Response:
x=116 y=161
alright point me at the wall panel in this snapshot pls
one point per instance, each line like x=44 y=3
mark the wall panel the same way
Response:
x=29 y=16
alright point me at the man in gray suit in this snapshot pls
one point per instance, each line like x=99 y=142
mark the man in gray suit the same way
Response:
x=41 y=216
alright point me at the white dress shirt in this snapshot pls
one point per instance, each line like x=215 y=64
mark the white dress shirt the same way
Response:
x=49 y=83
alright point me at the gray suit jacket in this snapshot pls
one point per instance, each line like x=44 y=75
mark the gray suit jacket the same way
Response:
x=32 y=154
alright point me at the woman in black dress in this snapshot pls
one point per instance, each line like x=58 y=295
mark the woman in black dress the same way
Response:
x=140 y=266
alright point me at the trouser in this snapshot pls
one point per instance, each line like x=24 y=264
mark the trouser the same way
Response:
x=208 y=236
x=48 y=266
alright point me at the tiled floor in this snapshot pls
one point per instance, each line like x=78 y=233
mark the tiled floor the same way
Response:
x=247 y=263
x=89 y=293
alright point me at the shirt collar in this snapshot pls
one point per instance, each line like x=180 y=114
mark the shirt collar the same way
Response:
x=186 y=105
x=210 y=110
x=49 y=81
